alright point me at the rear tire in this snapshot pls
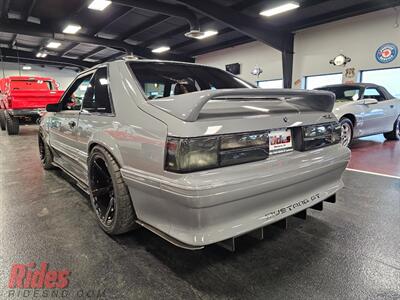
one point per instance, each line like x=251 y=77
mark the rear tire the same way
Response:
x=46 y=156
x=108 y=193
x=12 y=125
x=347 y=131
x=2 y=120
x=394 y=135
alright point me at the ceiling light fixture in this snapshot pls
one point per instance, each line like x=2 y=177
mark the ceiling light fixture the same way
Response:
x=53 y=45
x=41 y=54
x=26 y=68
x=99 y=4
x=197 y=34
x=161 y=49
x=280 y=9
x=72 y=29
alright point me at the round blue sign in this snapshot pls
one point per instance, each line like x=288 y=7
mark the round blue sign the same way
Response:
x=386 y=53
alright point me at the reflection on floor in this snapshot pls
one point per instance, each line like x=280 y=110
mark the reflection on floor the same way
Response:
x=376 y=154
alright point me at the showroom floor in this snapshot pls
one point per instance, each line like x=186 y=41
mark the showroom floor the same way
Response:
x=348 y=251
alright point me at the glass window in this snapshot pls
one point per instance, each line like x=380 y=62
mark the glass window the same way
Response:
x=160 y=80
x=97 y=98
x=313 y=82
x=388 y=78
x=373 y=93
x=270 y=84
x=74 y=97
x=31 y=84
x=344 y=93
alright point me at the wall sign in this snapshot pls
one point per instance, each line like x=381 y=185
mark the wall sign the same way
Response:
x=386 y=53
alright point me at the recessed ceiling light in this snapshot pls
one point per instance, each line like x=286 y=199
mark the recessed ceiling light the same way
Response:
x=99 y=4
x=161 y=49
x=41 y=54
x=72 y=29
x=53 y=45
x=280 y=9
x=26 y=68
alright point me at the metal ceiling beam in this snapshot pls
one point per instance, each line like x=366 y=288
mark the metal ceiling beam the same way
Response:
x=40 y=31
x=347 y=12
x=69 y=48
x=203 y=21
x=143 y=27
x=25 y=16
x=255 y=28
x=31 y=57
x=4 y=9
x=222 y=45
x=175 y=10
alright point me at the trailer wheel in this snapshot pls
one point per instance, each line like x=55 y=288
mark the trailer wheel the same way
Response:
x=2 y=120
x=12 y=125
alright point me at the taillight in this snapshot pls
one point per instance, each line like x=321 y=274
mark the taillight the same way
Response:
x=201 y=153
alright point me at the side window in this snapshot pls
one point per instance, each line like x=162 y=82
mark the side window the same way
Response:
x=373 y=93
x=75 y=95
x=98 y=99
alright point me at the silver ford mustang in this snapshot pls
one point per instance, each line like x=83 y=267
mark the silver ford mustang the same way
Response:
x=365 y=109
x=192 y=153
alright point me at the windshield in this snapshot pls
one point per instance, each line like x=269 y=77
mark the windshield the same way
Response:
x=160 y=79
x=344 y=93
x=31 y=85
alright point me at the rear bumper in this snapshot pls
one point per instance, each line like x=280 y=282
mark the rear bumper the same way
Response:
x=207 y=207
x=26 y=112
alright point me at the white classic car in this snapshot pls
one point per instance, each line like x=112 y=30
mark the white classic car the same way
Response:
x=193 y=153
x=365 y=109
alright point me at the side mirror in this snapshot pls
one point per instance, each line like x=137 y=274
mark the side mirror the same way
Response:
x=370 y=101
x=53 y=107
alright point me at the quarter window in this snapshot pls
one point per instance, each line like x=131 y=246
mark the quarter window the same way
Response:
x=98 y=98
x=373 y=93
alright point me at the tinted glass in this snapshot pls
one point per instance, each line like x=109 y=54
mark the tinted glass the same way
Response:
x=344 y=93
x=74 y=97
x=160 y=80
x=98 y=98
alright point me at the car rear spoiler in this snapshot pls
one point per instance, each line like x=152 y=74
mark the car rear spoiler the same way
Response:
x=187 y=107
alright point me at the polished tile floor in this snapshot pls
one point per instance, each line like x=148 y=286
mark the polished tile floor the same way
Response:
x=350 y=250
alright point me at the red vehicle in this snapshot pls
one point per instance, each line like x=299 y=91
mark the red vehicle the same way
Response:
x=24 y=98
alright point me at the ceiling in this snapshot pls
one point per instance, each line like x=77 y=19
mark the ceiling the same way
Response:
x=26 y=26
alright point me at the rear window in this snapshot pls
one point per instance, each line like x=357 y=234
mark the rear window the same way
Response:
x=33 y=84
x=344 y=93
x=159 y=80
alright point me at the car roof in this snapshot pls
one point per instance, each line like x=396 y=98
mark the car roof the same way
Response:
x=132 y=59
x=359 y=85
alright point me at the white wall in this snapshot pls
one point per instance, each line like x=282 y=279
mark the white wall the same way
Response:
x=358 y=37
x=63 y=77
x=248 y=55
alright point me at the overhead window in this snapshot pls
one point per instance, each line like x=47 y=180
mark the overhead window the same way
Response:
x=313 y=82
x=388 y=78
x=270 y=84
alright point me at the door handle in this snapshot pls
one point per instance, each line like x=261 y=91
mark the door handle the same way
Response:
x=72 y=124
